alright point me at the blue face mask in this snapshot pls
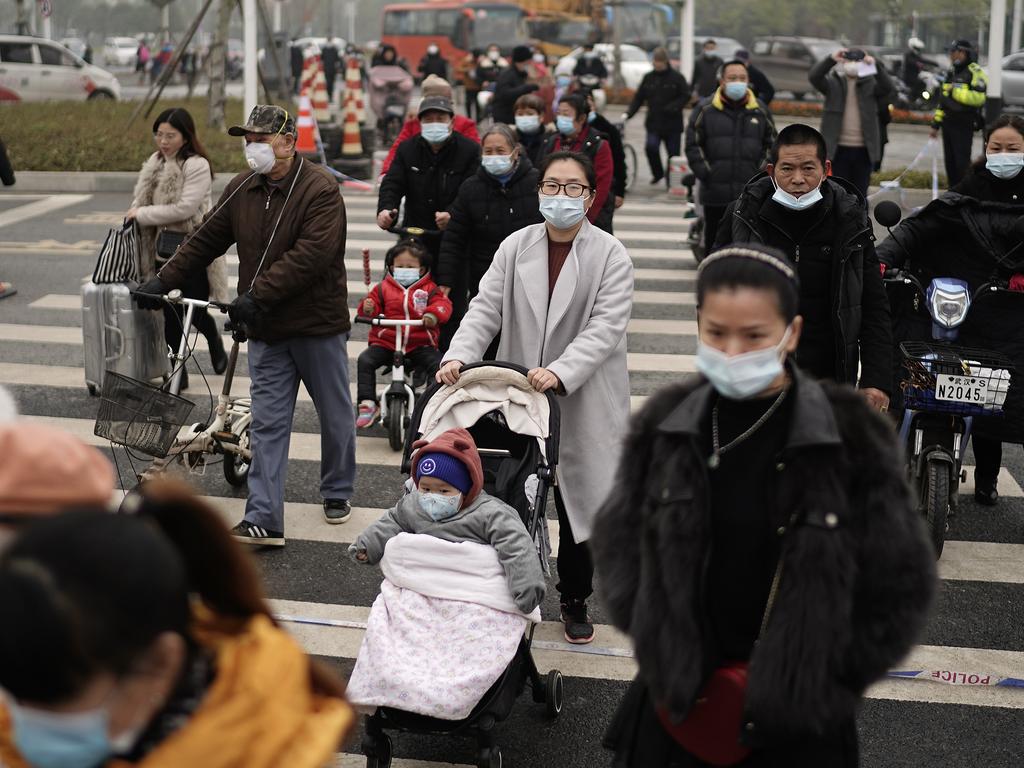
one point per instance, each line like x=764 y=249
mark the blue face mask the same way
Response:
x=497 y=165
x=565 y=125
x=592 y=116
x=739 y=377
x=61 y=740
x=528 y=123
x=1005 y=165
x=735 y=91
x=440 y=507
x=436 y=133
x=794 y=203
x=405 y=276
x=562 y=212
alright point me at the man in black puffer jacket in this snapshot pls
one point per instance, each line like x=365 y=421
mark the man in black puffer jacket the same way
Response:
x=488 y=209
x=727 y=142
x=428 y=170
x=822 y=224
x=665 y=92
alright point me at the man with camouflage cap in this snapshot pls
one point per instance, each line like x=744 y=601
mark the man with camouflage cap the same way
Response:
x=287 y=218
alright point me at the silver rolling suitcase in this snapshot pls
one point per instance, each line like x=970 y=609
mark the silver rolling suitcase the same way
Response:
x=118 y=336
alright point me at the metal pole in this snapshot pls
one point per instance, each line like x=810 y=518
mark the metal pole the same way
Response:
x=1018 y=6
x=250 y=77
x=277 y=15
x=350 y=8
x=996 y=34
x=47 y=27
x=165 y=23
x=686 y=41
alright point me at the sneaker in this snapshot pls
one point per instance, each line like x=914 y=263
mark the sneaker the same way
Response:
x=985 y=493
x=578 y=629
x=337 y=511
x=368 y=413
x=248 y=533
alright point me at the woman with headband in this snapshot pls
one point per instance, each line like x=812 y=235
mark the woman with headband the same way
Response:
x=760 y=547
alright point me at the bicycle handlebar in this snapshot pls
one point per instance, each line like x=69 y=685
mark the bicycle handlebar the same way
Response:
x=175 y=297
x=385 y=322
x=414 y=232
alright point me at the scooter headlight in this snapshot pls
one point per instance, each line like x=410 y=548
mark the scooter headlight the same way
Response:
x=948 y=304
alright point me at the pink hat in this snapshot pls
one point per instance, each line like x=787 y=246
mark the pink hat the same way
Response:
x=44 y=470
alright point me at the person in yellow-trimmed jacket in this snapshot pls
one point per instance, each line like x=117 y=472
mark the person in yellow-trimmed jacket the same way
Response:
x=959 y=113
x=144 y=640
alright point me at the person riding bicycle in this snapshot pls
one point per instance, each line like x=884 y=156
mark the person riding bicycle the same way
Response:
x=590 y=65
x=428 y=171
x=969 y=234
x=407 y=292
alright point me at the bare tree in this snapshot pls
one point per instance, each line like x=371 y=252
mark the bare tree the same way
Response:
x=217 y=61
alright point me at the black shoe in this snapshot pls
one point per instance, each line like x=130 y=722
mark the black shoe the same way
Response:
x=578 y=629
x=218 y=357
x=985 y=493
x=254 y=535
x=337 y=511
x=656 y=181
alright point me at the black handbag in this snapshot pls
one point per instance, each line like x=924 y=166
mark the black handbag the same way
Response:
x=168 y=241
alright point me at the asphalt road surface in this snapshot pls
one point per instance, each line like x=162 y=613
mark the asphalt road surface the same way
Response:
x=48 y=245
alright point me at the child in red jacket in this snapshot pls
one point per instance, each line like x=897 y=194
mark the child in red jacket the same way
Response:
x=407 y=292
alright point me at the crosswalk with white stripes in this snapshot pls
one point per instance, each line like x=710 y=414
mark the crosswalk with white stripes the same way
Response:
x=48 y=245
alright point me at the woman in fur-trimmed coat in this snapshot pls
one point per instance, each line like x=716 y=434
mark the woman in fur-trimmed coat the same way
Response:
x=688 y=546
x=172 y=194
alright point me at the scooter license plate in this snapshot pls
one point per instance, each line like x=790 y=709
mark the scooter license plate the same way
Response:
x=961 y=389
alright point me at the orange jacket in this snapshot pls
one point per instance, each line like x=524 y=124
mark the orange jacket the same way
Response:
x=259 y=712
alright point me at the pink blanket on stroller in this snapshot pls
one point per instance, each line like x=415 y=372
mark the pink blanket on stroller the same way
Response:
x=436 y=655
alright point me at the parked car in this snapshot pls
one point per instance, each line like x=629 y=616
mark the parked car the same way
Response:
x=635 y=63
x=1013 y=80
x=725 y=50
x=33 y=69
x=120 y=51
x=787 y=60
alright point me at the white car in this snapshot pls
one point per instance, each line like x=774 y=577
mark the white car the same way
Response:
x=635 y=63
x=120 y=51
x=34 y=69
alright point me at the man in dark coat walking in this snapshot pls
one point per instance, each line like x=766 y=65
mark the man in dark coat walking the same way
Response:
x=705 y=70
x=433 y=64
x=822 y=224
x=511 y=84
x=428 y=170
x=329 y=58
x=727 y=141
x=759 y=82
x=665 y=92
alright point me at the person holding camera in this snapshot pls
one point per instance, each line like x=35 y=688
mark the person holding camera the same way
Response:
x=854 y=87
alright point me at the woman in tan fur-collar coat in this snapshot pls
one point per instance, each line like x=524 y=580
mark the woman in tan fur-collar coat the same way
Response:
x=172 y=195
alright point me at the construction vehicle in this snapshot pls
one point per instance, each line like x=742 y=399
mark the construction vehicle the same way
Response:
x=558 y=26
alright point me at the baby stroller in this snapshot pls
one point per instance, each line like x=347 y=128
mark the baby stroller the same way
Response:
x=516 y=431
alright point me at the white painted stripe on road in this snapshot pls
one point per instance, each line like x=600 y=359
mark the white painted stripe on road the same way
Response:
x=982 y=560
x=359 y=761
x=671 y=327
x=304 y=446
x=39 y=208
x=73 y=301
x=576 y=662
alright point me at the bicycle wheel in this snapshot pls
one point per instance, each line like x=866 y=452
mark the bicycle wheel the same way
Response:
x=631 y=166
x=236 y=468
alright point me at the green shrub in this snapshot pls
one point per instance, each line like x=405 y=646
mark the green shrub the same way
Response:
x=91 y=135
x=913 y=180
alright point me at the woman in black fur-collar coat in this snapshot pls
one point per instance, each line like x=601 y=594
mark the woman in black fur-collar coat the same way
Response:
x=720 y=478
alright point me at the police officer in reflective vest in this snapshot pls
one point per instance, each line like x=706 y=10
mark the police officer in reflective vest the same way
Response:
x=959 y=112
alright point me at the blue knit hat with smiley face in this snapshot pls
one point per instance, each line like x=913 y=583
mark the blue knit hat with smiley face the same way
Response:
x=444 y=467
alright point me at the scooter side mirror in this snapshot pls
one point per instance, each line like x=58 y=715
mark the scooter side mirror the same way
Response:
x=888 y=214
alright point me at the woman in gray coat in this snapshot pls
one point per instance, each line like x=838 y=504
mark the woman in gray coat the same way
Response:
x=561 y=293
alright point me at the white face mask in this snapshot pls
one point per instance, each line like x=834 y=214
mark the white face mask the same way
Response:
x=528 y=123
x=794 y=203
x=1005 y=165
x=406 y=276
x=562 y=212
x=851 y=68
x=739 y=377
x=260 y=157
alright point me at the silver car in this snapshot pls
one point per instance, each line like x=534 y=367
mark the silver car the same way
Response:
x=1013 y=80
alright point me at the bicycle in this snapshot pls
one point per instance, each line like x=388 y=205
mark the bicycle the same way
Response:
x=151 y=420
x=398 y=401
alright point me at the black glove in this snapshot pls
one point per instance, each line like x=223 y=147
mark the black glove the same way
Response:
x=154 y=286
x=246 y=311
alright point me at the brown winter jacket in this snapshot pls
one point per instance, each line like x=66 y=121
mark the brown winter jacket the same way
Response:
x=302 y=283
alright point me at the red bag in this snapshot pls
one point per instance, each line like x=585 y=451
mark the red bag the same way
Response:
x=711 y=731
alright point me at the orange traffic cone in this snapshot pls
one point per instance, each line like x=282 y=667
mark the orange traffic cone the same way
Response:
x=305 y=142
x=308 y=76
x=321 y=104
x=351 y=142
x=354 y=85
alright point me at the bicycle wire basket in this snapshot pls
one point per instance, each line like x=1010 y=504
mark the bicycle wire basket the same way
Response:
x=986 y=374
x=140 y=416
